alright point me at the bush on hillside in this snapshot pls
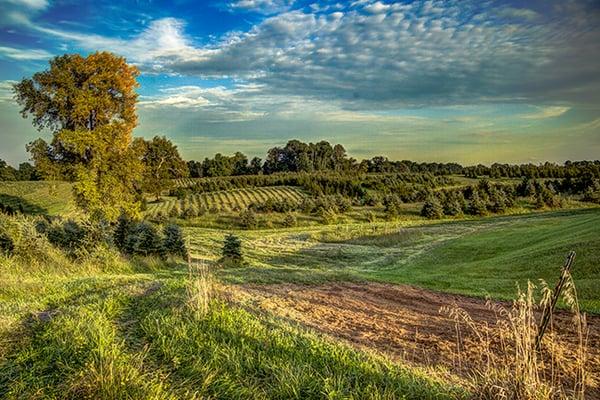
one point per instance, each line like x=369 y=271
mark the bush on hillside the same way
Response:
x=289 y=220
x=21 y=239
x=477 y=206
x=248 y=219
x=328 y=216
x=232 y=249
x=432 y=208
x=121 y=232
x=69 y=235
x=173 y=243
x=144 y=239
x=6 y=244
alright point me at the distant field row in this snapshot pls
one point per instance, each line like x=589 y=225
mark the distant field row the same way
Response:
x=227 y=200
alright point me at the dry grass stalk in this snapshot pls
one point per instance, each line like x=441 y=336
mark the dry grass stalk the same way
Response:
x=503 y=362
x=201 y=288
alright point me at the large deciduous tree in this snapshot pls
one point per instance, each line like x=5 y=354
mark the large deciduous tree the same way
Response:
x=88 y=104
x=162 y=164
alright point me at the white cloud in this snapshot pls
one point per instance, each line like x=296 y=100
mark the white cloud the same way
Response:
x=376 y=55
x=24 y=54
x=163 y=39
x=522 y=13
x=19 y=12
x=6 y=90
x=31 y=4
x=547 y=112
x=262 y=6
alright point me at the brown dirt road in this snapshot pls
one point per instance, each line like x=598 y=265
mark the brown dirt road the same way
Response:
x=400 y=321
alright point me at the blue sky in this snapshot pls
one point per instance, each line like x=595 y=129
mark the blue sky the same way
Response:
x=466 y=81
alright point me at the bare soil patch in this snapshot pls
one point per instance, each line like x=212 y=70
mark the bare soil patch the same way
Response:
x=403 y=322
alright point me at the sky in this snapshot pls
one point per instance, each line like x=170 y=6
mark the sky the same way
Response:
x=447 y=81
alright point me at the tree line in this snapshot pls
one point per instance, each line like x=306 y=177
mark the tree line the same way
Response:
x=89 y=106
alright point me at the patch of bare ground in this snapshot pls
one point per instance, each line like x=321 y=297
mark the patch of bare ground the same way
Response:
x=405 y=323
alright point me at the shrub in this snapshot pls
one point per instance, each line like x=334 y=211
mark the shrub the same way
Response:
x=343 y=204
x=122 y=230
x=371 y=217
x=392 y=211
x=173 y=241
x=328 y=216
x=21 y=239
x=453 y=206
x=308 y=205
x=144 y=239
x=69 y=236
x=477 y=205
x=371 y=199
x=232 y=248
x=175 y=211
x=289 y=220
x=591 y=196
x=248 y=219
x=6 y=244
x=432 y=208
x=497 y=201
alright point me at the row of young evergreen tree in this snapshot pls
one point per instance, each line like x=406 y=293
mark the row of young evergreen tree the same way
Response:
x=406 y=185
x=129 y=236
x=485 y=198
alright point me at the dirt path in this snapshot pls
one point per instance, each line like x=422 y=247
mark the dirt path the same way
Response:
x=401 y=321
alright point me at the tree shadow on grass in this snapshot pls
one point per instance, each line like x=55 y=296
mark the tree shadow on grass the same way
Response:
x=14 y=204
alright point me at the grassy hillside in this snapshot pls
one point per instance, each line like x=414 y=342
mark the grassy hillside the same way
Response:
x=38 y=197
x=475 y=257
x=103 y=327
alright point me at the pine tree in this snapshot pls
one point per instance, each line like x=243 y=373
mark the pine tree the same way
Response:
x=173 y=241
x=477 y=205
x=432 y=208
x=144 y=240
x=232 y=248
x=121 y=232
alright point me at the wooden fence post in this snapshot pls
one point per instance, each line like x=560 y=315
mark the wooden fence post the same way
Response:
x=549 y=309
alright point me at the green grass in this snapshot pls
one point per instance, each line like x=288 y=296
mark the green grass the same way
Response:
x=480 y=257
x=490 y=258
x=38 y=197
x=132 y=336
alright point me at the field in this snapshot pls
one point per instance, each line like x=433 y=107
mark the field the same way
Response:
x=483 y=257
x=227 y=200
x=347 y=310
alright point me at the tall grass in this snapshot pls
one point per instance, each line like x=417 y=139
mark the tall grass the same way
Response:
x=201 y=288
x=503 y=362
